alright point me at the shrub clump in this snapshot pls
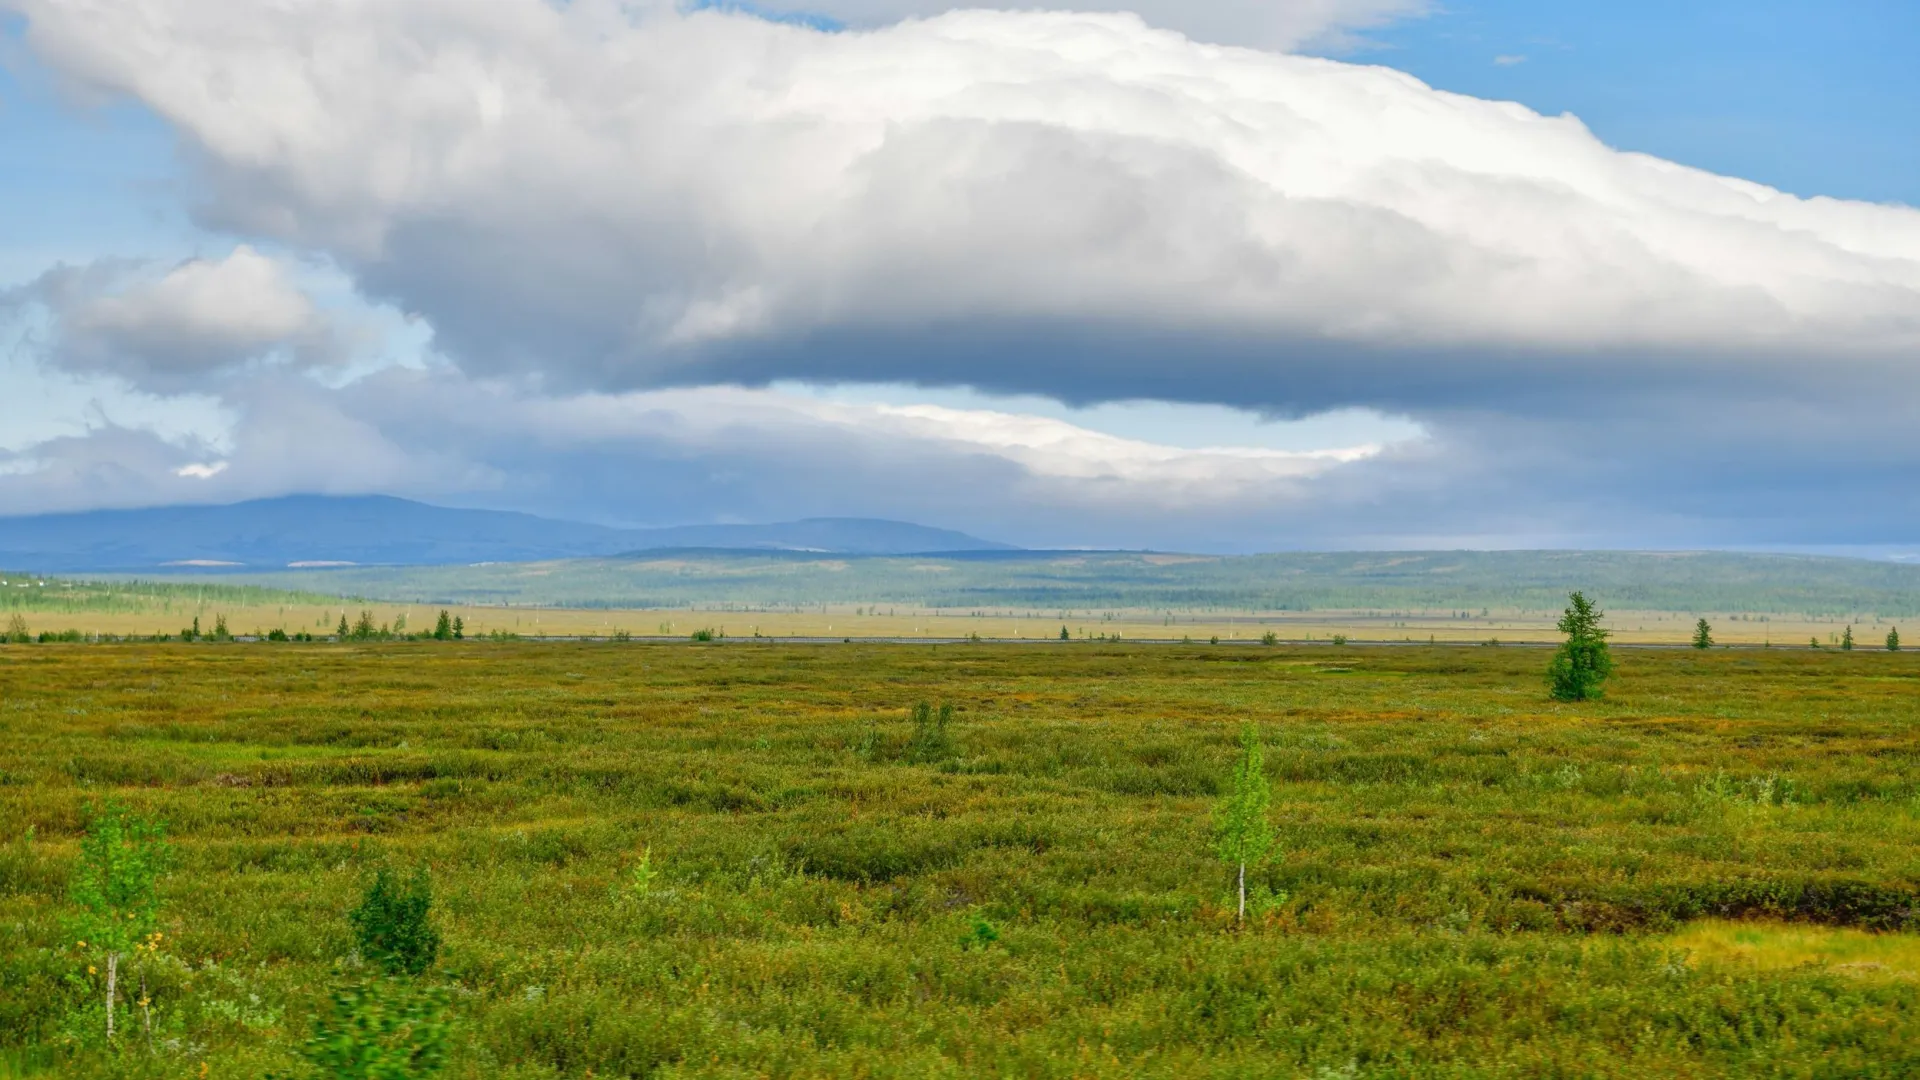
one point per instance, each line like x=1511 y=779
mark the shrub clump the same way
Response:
x=932 y=738
x=394 y=924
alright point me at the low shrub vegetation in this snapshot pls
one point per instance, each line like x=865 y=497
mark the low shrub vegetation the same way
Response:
x=545 y=860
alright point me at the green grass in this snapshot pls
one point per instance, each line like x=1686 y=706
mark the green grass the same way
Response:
x=1480 y=882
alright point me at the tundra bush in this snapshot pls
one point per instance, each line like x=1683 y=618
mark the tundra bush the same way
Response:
x=394 y=924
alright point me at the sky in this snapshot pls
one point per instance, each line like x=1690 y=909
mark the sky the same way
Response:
x=1219 y=275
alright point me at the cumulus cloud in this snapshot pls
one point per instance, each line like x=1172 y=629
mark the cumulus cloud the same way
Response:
x=172 y=329
x=595 y=203
x=608 y=197
x=1266 y=24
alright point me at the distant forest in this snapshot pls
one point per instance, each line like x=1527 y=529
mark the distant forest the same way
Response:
x=21 y=592
x=1523 y=581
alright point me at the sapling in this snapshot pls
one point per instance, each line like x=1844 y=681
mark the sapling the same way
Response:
x=1242 y=834
x=1893 y=639
x=1703 y=635
x=1846 y=640
x=1582 y=663
x=122 y=859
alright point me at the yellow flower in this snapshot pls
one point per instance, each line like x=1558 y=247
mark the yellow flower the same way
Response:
x=83 y=944
x=91 y=970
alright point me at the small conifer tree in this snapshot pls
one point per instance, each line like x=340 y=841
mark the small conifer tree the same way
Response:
x=1064 y=636
x=1893 y=639
x=443 y=629
x=1846 y=640
x=343 y=631
x=1582 y=664
x=459 y=628
x=1242 y=834
x=1703 y=635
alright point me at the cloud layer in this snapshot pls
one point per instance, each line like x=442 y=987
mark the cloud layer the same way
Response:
x=611 y=199
x=593 y=204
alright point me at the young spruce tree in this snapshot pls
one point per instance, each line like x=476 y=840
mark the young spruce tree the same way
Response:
x=1893 y=639
x=1703 y=635
x=1241 y=832
x=1582 y=663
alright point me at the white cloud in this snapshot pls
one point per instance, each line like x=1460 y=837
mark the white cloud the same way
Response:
x=587 y=199
x=670 y=456
x=170 y=330
x=607 y=199
x=1266 y=24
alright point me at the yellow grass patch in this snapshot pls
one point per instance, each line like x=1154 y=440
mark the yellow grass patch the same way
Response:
x=1748 y=946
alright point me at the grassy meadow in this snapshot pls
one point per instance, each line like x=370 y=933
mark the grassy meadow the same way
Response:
x=743 y=860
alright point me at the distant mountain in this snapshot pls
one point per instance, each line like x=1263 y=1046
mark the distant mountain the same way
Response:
x=849 y=536
x=313 y=531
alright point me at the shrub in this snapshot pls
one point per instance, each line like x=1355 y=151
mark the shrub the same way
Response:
x=1269 y=638
x=932 y=741
x=1339 y=639
x=278 y=635
x=379 y=1030
x=703 y=635
x=1582 y=663
x=17 y=631
x=394 y=924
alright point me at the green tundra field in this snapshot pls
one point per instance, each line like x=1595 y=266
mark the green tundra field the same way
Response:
x=748 y=860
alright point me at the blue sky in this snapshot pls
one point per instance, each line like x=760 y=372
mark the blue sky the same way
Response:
x=1078 y=414
x=1816 y=99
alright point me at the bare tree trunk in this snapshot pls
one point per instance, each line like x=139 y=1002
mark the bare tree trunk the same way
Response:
x=1243 y=892
x=113 y=974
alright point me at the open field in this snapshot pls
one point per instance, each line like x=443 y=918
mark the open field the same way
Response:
x=1711 y=873
x=297 y=613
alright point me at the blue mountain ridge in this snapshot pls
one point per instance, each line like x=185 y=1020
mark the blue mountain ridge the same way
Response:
x=378 y=530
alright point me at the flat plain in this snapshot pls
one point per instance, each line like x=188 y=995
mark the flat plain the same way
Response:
x=734 y=859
